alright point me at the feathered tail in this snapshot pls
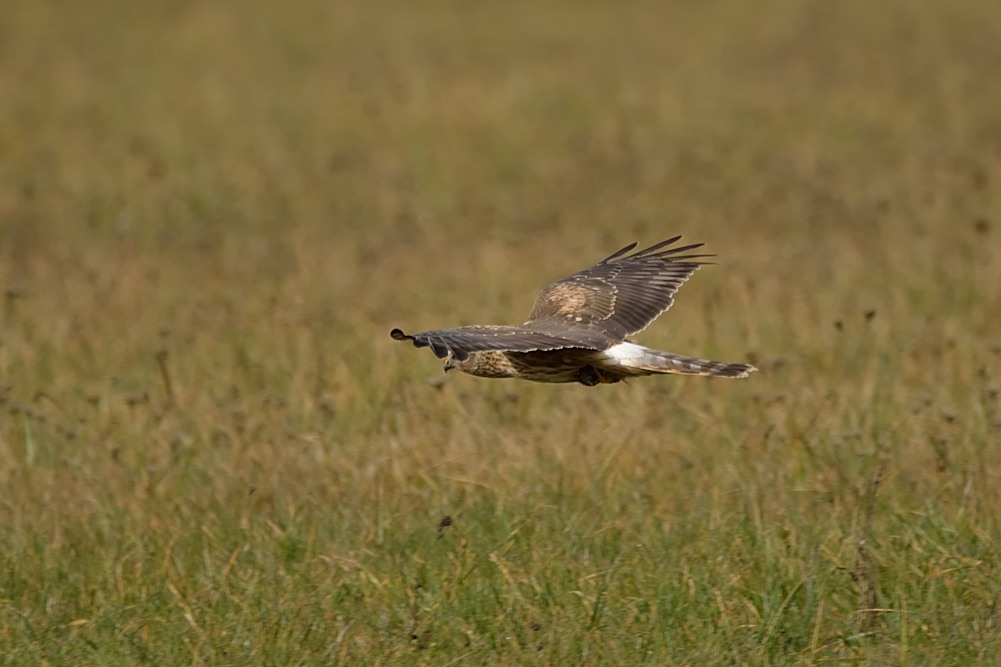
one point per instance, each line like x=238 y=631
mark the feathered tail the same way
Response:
x=633 y=359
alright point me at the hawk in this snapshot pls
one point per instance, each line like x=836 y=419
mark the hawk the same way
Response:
x=580 y=326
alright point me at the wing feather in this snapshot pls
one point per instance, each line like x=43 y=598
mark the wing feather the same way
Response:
x=620 y=295
x=460 y=341
x=592 y=309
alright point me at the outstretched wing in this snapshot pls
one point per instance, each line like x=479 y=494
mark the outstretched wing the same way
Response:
x=620 y=295
x=460 y=341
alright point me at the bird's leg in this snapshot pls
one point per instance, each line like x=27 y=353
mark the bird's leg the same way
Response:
x=588 y=376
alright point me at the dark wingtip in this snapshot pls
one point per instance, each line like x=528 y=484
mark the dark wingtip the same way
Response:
x=420 y=340
x=619 y=253
x=738 y=370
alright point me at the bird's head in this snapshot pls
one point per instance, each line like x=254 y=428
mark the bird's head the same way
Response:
x=450 y=362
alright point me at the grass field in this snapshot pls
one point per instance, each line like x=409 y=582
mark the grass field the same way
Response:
x=212 y=213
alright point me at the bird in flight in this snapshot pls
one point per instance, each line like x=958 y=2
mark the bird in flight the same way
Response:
x=580 y=326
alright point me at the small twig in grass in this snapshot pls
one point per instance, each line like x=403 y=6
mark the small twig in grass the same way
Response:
x=864 y=574
x=41 y=394
x=161 y=360
x=599 y=597
x=29 y=444
x=418 y=639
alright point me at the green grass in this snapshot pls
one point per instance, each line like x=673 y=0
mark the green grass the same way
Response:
x=212 y=214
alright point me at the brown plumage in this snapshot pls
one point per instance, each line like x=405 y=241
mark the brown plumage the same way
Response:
x=577 y=330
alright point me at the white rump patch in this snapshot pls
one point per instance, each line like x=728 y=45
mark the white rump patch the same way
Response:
x=624 y=353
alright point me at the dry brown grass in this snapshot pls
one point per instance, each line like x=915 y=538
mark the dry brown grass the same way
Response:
x=257 y=195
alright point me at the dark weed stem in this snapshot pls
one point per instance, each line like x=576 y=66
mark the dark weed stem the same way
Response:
x=161 y=360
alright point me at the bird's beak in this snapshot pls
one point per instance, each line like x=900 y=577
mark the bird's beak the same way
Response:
x=449 y=365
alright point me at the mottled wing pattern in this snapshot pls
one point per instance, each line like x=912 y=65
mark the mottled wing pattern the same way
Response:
x=620 y=295
x=460 y=341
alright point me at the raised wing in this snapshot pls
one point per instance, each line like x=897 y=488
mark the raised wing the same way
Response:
x=620 y=295
x=460 y=341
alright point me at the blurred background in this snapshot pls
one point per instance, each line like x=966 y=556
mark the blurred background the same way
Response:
x=447 y=159
x=212 y=213
x=364 y=144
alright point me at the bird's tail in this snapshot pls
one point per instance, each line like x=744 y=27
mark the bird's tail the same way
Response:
x=632 y=359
